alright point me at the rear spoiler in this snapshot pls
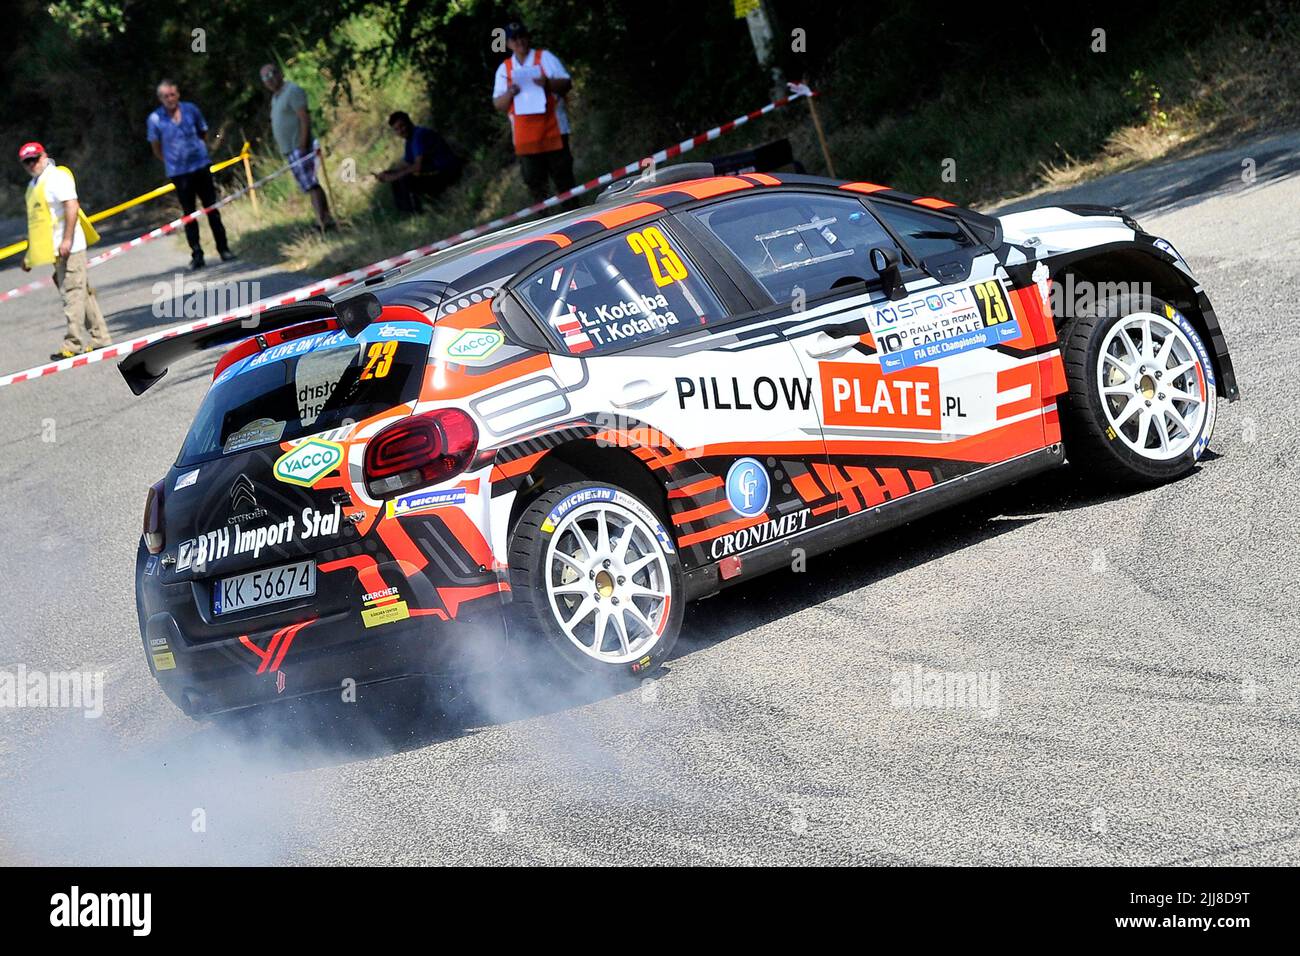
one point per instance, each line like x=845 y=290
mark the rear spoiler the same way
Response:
x=142 y=369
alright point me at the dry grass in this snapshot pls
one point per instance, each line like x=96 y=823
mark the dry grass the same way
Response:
x=1241 y=85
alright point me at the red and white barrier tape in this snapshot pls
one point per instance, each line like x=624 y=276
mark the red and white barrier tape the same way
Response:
x=383 y=265
x=153 y=234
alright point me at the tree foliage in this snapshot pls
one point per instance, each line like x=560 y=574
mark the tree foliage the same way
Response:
x=80 y=74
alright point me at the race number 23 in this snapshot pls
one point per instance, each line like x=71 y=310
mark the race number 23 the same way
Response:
x=379 y=360
x=665 y=265
x=992 y=302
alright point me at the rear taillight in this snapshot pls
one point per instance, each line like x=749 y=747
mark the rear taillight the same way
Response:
x=154 y=538
x=418 y=451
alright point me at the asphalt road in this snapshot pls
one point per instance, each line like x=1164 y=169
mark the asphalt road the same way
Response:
x=1143 y=647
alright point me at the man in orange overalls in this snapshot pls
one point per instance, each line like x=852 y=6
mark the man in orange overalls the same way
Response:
x=530 y=86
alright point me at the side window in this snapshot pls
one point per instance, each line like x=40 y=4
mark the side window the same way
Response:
x=626 y=290
x=924 y=233
x=799 y=241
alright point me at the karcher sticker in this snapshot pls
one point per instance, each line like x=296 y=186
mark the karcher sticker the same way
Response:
x=309 y=462
x=164 y=662
x=475 y=344
x=386 y=614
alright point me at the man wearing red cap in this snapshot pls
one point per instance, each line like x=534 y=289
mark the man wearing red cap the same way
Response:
x=57 y=234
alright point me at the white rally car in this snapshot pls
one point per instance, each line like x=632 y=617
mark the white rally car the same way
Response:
x=569 y=430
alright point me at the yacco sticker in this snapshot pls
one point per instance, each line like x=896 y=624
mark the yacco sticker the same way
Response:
x=309 y=462
x=475 y=344
x=185 y=480
x=748 y=487
x=425 y=501
x=854 y=394
x=589 y=495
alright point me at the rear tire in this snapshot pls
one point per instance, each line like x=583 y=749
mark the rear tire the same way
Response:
x=1142 y=393
x=595 y=576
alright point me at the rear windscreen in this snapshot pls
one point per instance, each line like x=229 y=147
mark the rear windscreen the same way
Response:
x=308 y=385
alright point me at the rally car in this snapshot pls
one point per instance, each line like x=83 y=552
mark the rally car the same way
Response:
x=564 y=432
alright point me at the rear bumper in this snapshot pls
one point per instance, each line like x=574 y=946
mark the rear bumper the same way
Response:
x=309 y=647
x=227 y=675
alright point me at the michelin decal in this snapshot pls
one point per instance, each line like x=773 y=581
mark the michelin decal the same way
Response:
x=606 y=495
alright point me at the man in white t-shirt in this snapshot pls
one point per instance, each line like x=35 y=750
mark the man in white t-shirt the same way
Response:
x=530 y=86
x=55 y=237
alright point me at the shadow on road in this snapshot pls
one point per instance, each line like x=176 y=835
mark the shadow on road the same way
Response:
x=1179 y=181
x=229 y=280
x=410 y=714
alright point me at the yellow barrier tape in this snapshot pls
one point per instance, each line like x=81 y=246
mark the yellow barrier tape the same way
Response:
x=103 y=214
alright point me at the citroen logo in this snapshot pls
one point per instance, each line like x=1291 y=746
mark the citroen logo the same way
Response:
x=243 y=502
x=242 y=496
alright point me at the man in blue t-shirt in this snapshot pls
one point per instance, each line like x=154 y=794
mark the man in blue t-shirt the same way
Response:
x=428 y=165
x=178 y=133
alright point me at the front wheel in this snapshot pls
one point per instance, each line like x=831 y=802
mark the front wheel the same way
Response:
x=1142 y=393
x=594 y=573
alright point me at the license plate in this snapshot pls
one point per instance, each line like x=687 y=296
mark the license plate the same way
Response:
x=267 y=586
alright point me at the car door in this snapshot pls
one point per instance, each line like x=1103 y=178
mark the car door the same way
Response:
x=961 y=320
x=723 y=413
x=910 y=392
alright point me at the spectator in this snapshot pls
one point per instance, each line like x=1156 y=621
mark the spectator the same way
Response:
x=291 y=126
x=57 y=233
x=428 y=165
x=178 y=133
x=530 y=86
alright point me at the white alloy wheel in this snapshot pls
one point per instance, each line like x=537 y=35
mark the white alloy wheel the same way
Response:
x=607 y=582
x=1152 y=387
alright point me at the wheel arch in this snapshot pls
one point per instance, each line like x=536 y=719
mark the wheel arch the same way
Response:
x=590 y=459
x=1141 y=262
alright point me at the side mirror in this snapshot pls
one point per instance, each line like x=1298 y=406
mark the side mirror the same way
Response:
x=357 y=312
x=885 y=262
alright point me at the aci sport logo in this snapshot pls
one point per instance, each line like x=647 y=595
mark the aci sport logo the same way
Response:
x=748 y=488
x=309 y=462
